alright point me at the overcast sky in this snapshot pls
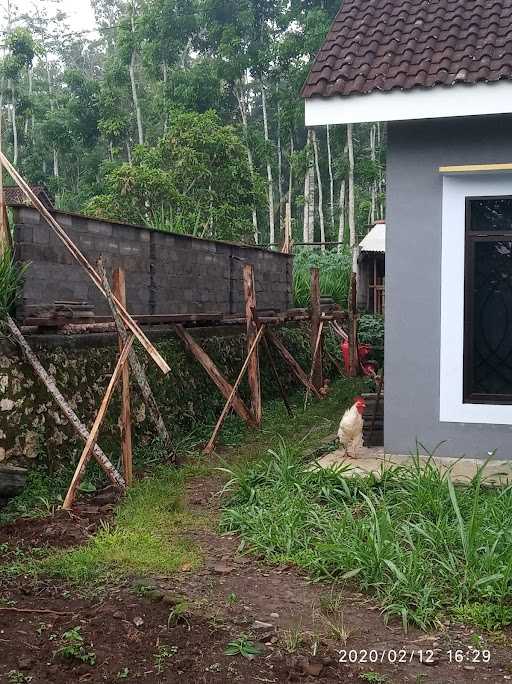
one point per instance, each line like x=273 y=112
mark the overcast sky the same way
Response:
x=81 y=16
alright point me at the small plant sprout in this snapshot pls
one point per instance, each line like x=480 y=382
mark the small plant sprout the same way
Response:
x=123 y=674
x=293 y=638
x=180 y=614
x=243 y=647
x=232 y=599
x=373 y=677
x=73 y=647
x=162 y=656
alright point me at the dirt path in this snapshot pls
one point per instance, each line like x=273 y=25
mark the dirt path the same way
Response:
x=175 y=629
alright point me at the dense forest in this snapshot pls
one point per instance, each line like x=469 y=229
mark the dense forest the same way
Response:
x=186 y=115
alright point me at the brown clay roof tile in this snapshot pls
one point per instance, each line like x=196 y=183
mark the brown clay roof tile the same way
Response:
x=404 y=44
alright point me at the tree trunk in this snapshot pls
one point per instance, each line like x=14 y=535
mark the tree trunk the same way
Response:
x=341 y=225
x=280 y=169
x=289 y=215
x=270 y=180
x=320 y=192
x=135 y=96
x=354 y=250
x=309 y=192
x=14 y=124
x=373 y=157
x=331 y=176
x=243 y=115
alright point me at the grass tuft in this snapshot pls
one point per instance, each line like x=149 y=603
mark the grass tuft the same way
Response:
x=424 y=547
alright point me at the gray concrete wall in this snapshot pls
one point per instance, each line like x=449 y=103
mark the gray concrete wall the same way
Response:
x=165 y=273
x=413 y=275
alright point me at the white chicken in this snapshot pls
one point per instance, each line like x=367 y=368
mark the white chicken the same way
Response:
x=350 y=432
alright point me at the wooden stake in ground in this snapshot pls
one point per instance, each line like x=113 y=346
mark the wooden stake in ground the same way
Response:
x=253 y=374
x=66 y=409
x=125 y=420
x=77 y=254
x=211 y=444
x=292 y=363
x=86 y=453
x=352 y=335
x=5 y=233
x=224 y=386
x=138 y=371
x=316 y=376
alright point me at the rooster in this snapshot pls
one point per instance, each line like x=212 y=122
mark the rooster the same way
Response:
x=350 y=432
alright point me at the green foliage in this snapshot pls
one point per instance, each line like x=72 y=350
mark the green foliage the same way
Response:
x=243 y=647
x=73 y=647
x=11 y=275
x=371 y=330
x=422 y=546
x=335 y=269
x=196 y=180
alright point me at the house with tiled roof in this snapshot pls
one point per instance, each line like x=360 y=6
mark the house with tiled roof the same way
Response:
x=439 y=72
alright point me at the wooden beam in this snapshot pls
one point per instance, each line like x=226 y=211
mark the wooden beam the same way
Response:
x=211 y=444
x=93 y=435
x=137 y=369
x=292 y=363
x=77 y=254
x=125 y=419
x=66 y=409
x=316 y=376
x=253 y=374
x=476 y=168
x=215 y=375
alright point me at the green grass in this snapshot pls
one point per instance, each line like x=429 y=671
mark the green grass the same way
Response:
x=148 y=537
x=424 y=548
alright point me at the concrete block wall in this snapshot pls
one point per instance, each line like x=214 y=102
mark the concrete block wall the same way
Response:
x=165 y=273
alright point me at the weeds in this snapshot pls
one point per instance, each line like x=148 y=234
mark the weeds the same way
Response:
x=162 y=656
x=422 y=546
x=73 y=647
x=243 y=647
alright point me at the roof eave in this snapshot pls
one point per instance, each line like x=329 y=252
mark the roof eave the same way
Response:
x=418 y=103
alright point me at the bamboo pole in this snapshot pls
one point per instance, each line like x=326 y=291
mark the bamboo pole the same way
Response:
x=209 y=447
x=282 y=390
x=125 y=420
x=313 y=363
x=138 y=371
x=66 y=409
x=77 y=254
x=93 y=435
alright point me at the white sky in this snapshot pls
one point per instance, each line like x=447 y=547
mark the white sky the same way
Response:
x=80 y=14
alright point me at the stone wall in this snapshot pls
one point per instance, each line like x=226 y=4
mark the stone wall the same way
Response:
x=166 y=273
x=31 y=426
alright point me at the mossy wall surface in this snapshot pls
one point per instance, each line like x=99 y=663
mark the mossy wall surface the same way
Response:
x=31 y=426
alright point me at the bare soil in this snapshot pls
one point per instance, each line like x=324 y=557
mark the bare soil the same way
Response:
x=134 y=631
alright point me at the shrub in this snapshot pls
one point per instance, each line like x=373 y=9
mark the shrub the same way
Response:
x=335 y=269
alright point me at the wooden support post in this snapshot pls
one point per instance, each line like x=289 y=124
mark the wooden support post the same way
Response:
x=292 y=363
x=93 y=435
x=316 y=340
x=77 y=254
x=137 y=369
x=125 y=420
x=253 y=373
x=211 y=444
x=66 y=409
x=5 y=233
x=282 y=390
x=224 y=386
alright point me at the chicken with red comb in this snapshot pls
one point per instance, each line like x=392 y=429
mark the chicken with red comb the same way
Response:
x=350 y=432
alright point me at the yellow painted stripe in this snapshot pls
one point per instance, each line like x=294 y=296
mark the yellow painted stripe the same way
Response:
x=475 y=168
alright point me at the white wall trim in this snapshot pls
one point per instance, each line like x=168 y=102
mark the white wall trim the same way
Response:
x=418 y=103
x=452 y=409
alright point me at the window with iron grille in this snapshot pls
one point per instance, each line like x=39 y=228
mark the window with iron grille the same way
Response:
x=488 y=301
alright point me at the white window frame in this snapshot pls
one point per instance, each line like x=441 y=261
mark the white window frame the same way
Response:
x=455 y=190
